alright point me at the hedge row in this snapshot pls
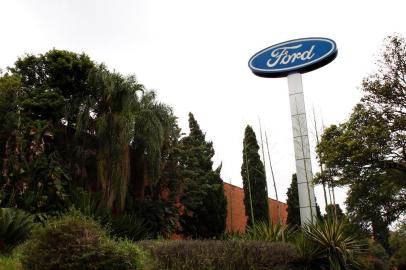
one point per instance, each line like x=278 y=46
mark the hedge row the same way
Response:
x=220 y=255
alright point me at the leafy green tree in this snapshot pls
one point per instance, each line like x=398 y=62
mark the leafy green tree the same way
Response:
x=54 y=88
x=367 y=153
x=203 y=194
x=55 y=84
x=33 y=175
x=10 y=87
x=254 y=181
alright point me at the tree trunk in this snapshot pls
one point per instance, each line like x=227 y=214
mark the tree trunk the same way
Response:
x=125 y=176
x=139 y=172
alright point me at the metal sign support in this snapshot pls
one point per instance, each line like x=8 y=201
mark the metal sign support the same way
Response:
x=302 y=150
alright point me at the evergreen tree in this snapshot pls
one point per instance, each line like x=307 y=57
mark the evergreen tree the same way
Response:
x=254 y=180
x=293 y=218
x=203 y=195
x=334 y=210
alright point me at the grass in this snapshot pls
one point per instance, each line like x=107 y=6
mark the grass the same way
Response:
x=10 y=263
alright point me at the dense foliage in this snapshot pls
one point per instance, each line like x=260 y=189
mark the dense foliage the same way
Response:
x=367 y=153
x=254 y=180
x=69 y=125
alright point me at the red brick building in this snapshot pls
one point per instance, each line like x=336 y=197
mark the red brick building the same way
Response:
x=236 y=219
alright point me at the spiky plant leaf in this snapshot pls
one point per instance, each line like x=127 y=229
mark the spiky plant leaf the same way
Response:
x=129 y=226
x=15 y=227
x=336 y=246
x=272 y=232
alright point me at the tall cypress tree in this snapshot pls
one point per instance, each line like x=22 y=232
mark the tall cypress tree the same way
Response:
x=203 y=195
x=254 y=180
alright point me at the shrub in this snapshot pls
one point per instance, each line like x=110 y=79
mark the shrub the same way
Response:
x=15 y=227
x=120 y=255
x=221 y=255
x=76 y=242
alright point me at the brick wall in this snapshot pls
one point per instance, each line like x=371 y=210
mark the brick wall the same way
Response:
x=236 y=219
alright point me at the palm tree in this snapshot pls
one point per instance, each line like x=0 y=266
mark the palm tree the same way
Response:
x=114 y=116
x=152 y=123
x=130 y=127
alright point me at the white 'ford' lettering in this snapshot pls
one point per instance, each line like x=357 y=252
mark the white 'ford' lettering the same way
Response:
x=282 y=55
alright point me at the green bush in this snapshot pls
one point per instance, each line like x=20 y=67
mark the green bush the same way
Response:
x=15 y=227
x=76 y=242
x=220 y=255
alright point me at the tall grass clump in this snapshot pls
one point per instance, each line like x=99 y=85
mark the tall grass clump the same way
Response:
x=10 y=263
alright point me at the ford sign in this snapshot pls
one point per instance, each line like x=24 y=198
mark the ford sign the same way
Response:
x=295 y=56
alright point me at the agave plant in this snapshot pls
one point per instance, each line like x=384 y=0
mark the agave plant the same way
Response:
x=310 y=254
x=233 y=235
x=272 y=232
x=15 y=227
x=336 y=246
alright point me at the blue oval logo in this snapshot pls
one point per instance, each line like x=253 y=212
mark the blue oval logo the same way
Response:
x=299 y=55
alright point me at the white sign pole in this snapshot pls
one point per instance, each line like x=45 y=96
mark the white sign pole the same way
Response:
x=302 y=150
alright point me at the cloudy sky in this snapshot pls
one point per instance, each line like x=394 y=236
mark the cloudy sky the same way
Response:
x=194 y=54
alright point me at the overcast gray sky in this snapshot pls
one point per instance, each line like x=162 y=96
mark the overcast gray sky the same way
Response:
x=195 y=55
